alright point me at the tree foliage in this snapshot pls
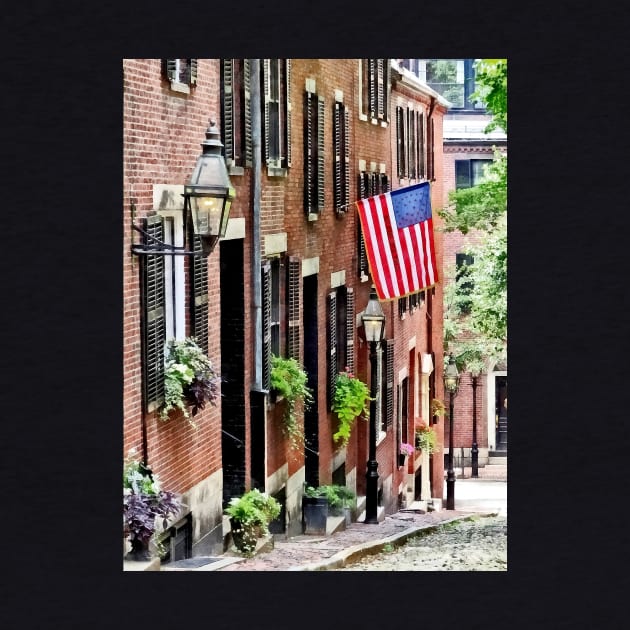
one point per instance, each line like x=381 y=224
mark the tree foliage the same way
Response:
x=480 y=336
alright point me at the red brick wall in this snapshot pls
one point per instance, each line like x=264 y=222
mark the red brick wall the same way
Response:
x=163 y=131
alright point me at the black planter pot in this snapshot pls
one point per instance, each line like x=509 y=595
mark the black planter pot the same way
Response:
x=139 y=551
x=245 y=537
x=314 y=515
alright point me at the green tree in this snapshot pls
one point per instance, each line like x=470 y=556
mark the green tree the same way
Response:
x=481 y=334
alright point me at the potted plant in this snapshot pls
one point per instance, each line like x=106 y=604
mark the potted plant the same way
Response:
x=318 y=503
x=143 y=501
x=350 y=400
x=404 y=451
x=250 y=516
x=190 y=380
x=426 y=439
x=289 y=381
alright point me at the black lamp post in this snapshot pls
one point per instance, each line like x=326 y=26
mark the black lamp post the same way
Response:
x=451 y=384
x=373 y=320
x=474 y=461
x=207 y=196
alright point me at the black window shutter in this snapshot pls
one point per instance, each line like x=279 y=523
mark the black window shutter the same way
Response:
x=380 y=88
x=266 y=325
x=337 y=148
x=400 y=137
x=193 y=71
x=247 y=112
x=199 y=296
x=169 y=68
x=389 y=382
x=384 y=183
x=154 y=318
x=372 y=97
x=287 y=129
x=363 y=262
x=332 y=346
x=266 y=108
x=350 y=324
x=346 y=159
x=309 y=150
x=430 y=156
x=293 y=298
x=421 y=147
x=402 y=306
x=413 y=158
x=321 y=179
x=387 y=80
x=227 y=111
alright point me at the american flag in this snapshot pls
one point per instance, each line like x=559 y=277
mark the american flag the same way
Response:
x=398 y=234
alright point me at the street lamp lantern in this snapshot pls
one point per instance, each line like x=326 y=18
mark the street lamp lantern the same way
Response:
x=373 y=320
x=207 y=196
x=451 y=384
x=209 y=192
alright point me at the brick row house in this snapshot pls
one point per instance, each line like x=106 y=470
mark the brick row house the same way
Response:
x=303 y=139
x=466 y=149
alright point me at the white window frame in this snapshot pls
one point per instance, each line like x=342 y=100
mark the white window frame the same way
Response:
x=174 y=296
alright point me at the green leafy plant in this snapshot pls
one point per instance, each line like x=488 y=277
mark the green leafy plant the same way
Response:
x=426 y=439
x=337 y=496
x=250 y=516
x=350 y=401
x=190 y=380
x=143 y=501
x=289 y=380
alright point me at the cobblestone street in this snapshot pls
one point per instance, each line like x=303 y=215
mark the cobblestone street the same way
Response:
x=479 y=544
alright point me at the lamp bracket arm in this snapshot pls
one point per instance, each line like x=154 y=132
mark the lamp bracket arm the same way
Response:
x=157 y=240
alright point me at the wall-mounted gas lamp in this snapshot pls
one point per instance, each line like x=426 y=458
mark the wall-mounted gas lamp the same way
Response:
x=207 y=196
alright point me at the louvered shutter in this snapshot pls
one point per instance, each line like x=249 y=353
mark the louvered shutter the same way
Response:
x=287 y=130
x=387 y=80
x=321 y=179
x=227 y=126
x=384 y=183
x=332 y=346
x=193 y=71
x=400 y=136
x=154 y=318
x=199 y=296
x=372 y=96
x=247 y=112
x=266 y=106
x=421 y=163
x=337 y=149
x=266 y=325
x=169 y=68
x=375 y=184
x=345 y=200
x=362 y=255
x=413 y=159
x=293 y=297
x=402 y=306
x=350 y=328
x=380 y=88
x=309 y=153
x=389 y=382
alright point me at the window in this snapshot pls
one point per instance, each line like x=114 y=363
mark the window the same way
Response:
x=469 y=172
x=341 y=324
x=454 y=79
x=236 y=115
x=313 y=152
x=410 y=143
x=464 y=287
x=271 y=288
x=163 y=301
x=341 y=149
x=369 y=184
x=277 y=113
x=374 y=89
x=182 y=73
x=387 y=385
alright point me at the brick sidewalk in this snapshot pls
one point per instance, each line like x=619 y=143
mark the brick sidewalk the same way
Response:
x=304 y=550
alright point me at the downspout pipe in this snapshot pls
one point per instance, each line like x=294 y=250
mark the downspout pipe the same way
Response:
x=256 y=202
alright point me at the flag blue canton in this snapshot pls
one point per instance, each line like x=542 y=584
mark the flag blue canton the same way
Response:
x=411 y=205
